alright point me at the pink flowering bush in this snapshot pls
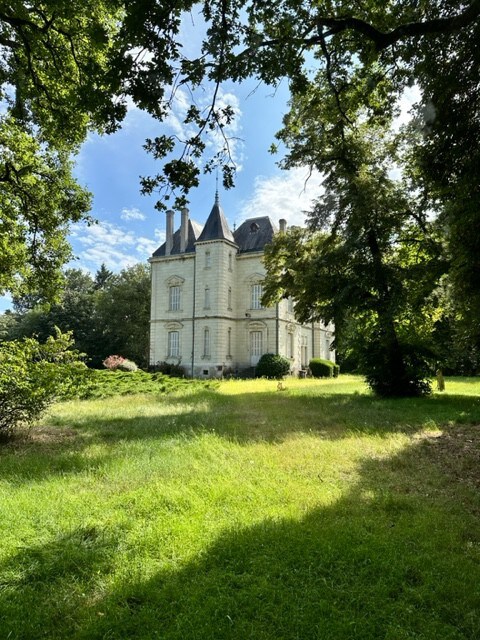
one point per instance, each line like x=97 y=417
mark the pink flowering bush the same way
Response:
x=119 y=363
x=113 y=362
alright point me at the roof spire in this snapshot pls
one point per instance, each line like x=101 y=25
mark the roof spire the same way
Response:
x=217 y=199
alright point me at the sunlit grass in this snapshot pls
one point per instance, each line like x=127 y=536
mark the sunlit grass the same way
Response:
x=317 y=511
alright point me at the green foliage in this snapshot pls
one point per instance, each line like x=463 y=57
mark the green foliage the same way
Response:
x=33 y=375
x=370 y=261
x=272 y=366
x=396 y=369
x=108 y=314
x=122 y=315
x=105 y=384
x=38 y=199
x=322 y=368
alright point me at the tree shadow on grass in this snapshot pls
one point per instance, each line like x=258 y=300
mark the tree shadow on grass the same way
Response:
x=44 y=586
x=273 y=417
x=395 y=558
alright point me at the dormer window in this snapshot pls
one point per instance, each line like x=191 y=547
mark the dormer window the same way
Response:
x=254 y=227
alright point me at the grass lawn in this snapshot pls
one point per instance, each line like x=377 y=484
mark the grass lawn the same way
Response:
x=244 y=512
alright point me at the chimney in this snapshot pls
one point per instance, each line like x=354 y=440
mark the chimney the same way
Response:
x=184 y=230
x=283 y=225
x=169 y=240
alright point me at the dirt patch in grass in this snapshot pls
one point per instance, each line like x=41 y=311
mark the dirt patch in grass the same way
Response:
x=44 y=436
x=456 y=451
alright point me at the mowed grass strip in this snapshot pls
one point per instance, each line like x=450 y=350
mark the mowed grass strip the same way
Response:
x=245 y=512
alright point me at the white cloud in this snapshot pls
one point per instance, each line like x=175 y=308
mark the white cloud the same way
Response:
x=113 y=245
x=214 y=140
x=287 y=195
x=132 y=214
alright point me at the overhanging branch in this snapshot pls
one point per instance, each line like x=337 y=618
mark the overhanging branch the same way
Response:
x=383 y=40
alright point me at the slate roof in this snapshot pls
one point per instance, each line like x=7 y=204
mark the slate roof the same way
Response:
x=254 y=234
x=194 y=230
x=216 y=227
x=251 y=235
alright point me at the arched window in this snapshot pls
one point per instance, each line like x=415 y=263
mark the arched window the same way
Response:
x=229 y=300
x=230 y=261
x=208 y=259
x=229 y=343
x=207 y=297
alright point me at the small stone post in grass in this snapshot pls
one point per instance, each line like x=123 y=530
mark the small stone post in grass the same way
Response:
x=440 y=380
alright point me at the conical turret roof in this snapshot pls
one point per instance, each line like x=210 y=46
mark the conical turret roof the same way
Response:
x=216 y=226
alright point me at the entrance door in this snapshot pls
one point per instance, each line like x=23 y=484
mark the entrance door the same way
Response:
x=256 y=347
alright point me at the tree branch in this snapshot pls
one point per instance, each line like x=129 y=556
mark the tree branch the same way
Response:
x=383 y=40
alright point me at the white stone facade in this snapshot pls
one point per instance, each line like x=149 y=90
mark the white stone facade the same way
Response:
x=206 y=313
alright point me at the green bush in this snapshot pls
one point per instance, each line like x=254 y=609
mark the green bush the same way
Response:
x=33 y=375
x=321 y=368
x=168 y=369
x=397 y=369
x=107 y=383
x=336 y=370
x=272 y=366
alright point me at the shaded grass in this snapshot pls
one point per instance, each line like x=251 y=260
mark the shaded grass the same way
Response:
x=318 y=512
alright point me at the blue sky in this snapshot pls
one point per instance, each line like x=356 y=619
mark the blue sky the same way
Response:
x=130 y=228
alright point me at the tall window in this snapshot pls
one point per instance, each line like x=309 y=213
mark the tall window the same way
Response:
x=229 y=300
x=257 y=291
x=256 y=343
x=229 y=343
x=208 y=260
x=304 y=353
x=174 y=298
x=207 y=298
x=173 y=344
x=206 y=342
x=290 y=345
x=230 y=261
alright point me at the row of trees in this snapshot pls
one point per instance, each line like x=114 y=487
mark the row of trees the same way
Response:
x=107 y=314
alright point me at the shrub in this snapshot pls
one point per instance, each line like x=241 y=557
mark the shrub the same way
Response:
x=106 y=383
x=272 y=366
x=127 y=365
x=321 y=368
x=113 y=362
x=33 y=375
x=400 y=370
x=168 y=369
x=336 y=370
